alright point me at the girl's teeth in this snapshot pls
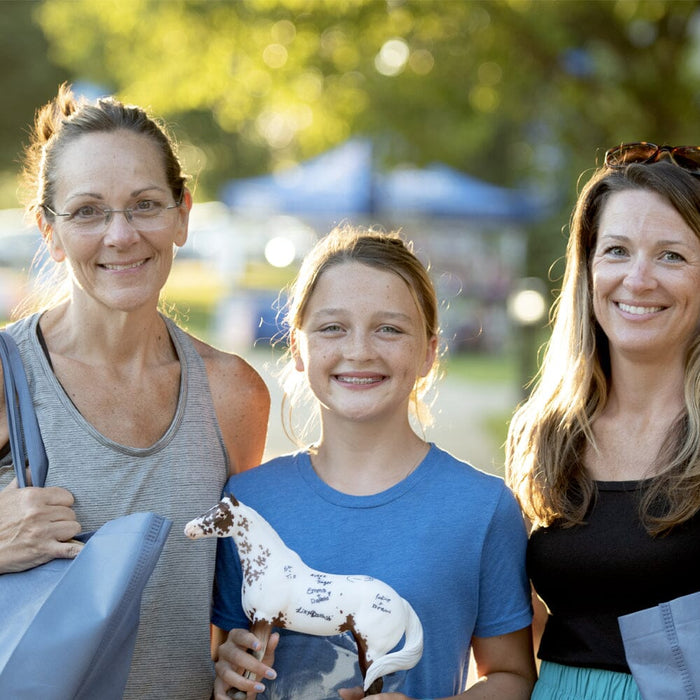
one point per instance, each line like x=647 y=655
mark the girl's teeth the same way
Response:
x=357 y=380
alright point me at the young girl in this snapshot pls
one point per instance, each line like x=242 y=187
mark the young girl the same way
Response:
x=370 y=496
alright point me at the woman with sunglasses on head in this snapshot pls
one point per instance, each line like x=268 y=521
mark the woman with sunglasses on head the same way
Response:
x=605 y=454
x=136 y=414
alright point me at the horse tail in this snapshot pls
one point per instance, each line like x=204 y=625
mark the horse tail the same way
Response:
x=406 y=657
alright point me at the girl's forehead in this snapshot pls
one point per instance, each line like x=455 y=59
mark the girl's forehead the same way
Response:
x=357 y=288
x=362 y=278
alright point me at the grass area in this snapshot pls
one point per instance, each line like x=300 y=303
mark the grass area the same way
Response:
x=192 y=284
x=481 y=368
x=487 y=371
x=496 y=426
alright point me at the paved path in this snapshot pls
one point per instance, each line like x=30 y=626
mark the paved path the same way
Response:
x=465 y=414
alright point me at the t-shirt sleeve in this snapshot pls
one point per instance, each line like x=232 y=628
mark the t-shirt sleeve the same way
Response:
x=227 y=611
x=505 y=603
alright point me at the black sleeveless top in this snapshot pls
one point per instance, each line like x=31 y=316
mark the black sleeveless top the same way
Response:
x=590 y=574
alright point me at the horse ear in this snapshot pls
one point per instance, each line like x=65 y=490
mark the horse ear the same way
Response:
x=232 y=498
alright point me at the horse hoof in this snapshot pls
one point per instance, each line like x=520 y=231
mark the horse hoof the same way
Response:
x=375 y=688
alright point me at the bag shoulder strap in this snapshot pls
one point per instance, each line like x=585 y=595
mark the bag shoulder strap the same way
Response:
x=25 y=437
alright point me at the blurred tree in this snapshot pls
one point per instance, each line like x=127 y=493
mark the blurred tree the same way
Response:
x=28 y=79
x=518 y=92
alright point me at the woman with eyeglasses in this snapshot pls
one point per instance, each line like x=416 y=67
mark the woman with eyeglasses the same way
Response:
x=136 y=414
x=604 y=456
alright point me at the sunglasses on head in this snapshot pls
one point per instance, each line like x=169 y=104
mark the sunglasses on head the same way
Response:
x=686 y=157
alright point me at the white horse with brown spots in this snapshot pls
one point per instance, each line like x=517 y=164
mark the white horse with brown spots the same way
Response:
x=279 y=590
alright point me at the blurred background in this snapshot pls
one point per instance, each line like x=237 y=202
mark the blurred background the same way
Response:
x=467 y=124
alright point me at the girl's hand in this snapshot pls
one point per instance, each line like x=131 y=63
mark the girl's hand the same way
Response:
x=236 y=662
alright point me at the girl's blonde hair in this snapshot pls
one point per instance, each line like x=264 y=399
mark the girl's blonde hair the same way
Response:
x=386 y=252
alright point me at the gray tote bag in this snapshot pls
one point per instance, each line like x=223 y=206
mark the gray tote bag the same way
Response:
x=662 y=646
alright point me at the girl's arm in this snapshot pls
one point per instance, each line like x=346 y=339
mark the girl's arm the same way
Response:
x=505 y=666
x=540 y=618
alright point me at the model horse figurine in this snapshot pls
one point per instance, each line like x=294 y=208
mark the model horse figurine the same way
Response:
x=279 y=590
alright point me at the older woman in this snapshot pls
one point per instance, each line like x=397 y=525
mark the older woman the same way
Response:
x=605 y=455
x=136 y=414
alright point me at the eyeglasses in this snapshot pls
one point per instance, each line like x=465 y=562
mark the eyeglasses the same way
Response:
x=145 y=215
x=686 y=157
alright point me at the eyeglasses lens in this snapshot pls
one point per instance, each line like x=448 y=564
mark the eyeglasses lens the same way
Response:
x=99 y=220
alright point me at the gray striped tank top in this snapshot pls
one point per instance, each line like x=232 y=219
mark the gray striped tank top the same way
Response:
x=179 y=477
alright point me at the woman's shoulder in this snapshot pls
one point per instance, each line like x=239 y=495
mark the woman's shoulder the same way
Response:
x=241 y=401
x=21 y=327
x=228 y=368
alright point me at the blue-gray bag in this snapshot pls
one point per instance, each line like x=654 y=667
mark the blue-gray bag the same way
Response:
x=662 y=646
x=68 y=627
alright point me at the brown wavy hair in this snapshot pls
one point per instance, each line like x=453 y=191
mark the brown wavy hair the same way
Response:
x=548 y=433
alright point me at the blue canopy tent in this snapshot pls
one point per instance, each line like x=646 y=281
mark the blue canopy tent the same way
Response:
x=342 y=182
x=471 y=229
x=441 y=191
x=336 y=183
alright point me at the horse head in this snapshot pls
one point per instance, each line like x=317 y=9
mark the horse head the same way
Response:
x=218 y=521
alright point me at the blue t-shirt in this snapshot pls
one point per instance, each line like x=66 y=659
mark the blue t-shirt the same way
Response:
x=449 y=538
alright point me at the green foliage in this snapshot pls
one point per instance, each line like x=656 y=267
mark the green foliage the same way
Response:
x=28 y=79
x=518 y=92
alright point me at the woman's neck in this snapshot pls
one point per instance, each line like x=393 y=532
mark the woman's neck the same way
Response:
x=644 y=402
x=113 y=337
x=648 y=388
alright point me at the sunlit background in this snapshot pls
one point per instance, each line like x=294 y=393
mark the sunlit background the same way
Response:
x=465 y=124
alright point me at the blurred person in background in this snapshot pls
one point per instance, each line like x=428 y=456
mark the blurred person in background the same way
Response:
x=136 y=414
x=604 y=456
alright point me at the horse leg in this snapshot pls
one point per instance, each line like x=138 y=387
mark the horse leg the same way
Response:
x=376 y=687
x=262 y=630
x=378 y=683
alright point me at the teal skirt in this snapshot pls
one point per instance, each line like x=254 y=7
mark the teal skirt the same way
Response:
x=558 y=682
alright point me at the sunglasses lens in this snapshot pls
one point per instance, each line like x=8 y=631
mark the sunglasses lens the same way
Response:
x=687 y=157
x=630 y=153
